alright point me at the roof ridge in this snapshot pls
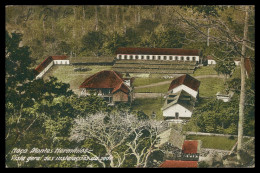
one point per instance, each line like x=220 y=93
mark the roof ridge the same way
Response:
x=91 y=77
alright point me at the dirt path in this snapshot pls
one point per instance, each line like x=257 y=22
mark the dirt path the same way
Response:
x=168 y=82
x=148 y=95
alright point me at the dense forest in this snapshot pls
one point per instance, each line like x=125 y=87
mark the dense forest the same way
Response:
x=89 y=30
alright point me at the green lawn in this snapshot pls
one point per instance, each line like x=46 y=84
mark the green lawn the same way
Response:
x=205 y=70
x=215 y=142
x=147 y=81
x=155 y=89
x=66 y=74
x=210 y=86
x=149 y=105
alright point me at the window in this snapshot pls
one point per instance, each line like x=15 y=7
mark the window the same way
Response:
x=153 y=57
x=120 y=56
x=165 y=57
x=170 y=57
x=125 y=56
x=176 y=115
x=159 y=57
x=176 y=58
x=147 y=57
x=182 y=58
x=193 y=59
x=142 y=57
x=136 y=56
x=131 y=56
x=188 y=58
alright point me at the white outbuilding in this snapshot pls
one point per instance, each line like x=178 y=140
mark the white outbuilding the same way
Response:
x=178 y=107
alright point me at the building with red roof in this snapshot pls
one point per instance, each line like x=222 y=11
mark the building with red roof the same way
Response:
x=109 y=85
x=186 y=83
x=179 y=164
x=165 y=54
x=47 y=63
x=191 y=150
x=180 y=99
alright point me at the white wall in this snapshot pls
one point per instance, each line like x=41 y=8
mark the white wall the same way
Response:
x=61 y=62
x=185 y=88
x=183 y=112
x=161 y=57
x=211 y=62
x=44 y=70
x=237 y=63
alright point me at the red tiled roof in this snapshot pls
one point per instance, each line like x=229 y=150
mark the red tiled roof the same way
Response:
x=210 y=58
x=158 y=51
x=185 y=80
x=190 y=146
x=248 y=66
x=43 y=65
x=106 y=79
x=179 y=164
x=59 y=57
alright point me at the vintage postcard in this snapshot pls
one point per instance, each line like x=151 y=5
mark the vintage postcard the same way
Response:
x=130 y=86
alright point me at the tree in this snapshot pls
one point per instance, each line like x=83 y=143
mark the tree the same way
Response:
x=226 y=32
x=117 y=136
x=243 y=90
x=93 y=42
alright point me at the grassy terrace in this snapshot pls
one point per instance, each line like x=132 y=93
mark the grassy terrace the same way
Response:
x=147 y=81
x=215 y=142
x=204 y=70
x=149 y=105
x=67 y=74
x=208 y=87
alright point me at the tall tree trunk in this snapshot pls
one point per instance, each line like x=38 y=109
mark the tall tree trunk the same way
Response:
x=83 y=12
x=96 y=16
x=108 y=11
x=242 y=92
x=208 y=37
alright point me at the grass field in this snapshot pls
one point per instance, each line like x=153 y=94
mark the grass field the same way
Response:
x=155 y=89
x=67 y=74
x=205 y=70
x=210 y=86
x=146 y=81
x=215 y=142
x=149 y=105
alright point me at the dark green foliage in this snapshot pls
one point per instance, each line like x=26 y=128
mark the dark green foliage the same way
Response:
x=142 y=116
x=93 y=42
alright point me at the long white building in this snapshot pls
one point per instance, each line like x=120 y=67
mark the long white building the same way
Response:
x=164 y=54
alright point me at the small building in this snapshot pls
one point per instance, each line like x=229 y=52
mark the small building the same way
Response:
x=42 y=68
x=179 y=164
x=191 y=150
x=170 y=143
x=225 y=97
x=186 y=83
x=61 y=60
x=163 y=54
x=110 y=85
x=237 y=61
x=211 y=60
x=178 y=107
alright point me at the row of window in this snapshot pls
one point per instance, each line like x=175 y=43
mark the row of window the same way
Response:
x=159 y=57
x=58 y=62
